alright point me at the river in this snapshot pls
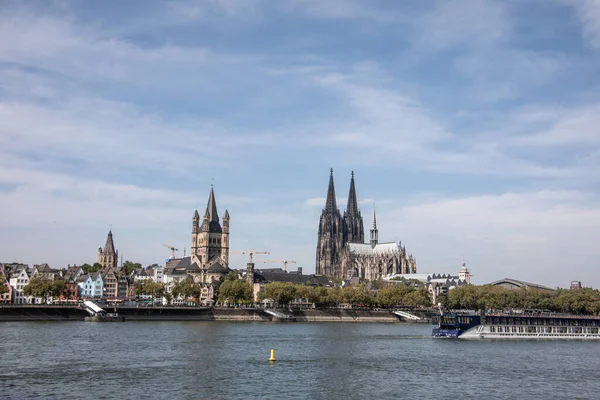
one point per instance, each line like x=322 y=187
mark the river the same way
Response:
x=228 y=360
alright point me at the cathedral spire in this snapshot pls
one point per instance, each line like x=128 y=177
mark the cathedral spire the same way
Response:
x=330 y=204
x=352 y=207
x=374 y=231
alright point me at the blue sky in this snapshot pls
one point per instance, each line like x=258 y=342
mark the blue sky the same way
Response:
x=471 y=125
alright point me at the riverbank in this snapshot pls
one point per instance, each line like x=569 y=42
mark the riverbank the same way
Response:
x=71 y=313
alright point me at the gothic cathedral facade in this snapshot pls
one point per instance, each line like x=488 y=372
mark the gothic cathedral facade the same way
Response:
x=341 y=251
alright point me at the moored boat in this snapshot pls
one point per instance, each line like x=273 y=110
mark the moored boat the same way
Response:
x=516 y=326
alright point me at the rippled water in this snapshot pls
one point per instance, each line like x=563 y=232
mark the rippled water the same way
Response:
x=228 y=360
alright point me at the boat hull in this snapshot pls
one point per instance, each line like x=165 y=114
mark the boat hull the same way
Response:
x=482 y=332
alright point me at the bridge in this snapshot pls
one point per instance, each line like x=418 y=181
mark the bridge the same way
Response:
x=92 y=308
x=406 y=315
x=279 y=315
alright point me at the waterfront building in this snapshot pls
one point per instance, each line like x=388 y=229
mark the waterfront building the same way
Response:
x=108 y=257
x=110 y=282
x=19 y=279
x=341 y=251
x=90 y=285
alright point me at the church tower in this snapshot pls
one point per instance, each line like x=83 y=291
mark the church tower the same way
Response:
x=374 y=232
x=108 y=257
x=210 y=241
x=331 y=237
x=353 y=220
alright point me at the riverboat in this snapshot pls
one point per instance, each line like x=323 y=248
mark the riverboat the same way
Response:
x=516 y=326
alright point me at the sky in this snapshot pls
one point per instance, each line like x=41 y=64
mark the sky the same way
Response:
x=471 y=126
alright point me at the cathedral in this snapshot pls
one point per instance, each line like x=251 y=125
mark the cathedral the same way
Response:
x=341 y=251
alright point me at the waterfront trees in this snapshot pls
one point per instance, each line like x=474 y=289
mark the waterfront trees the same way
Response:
x=402 y=295
x=40 y=286
x=280 y=292
x=235 y=290
x=150 y=288
x=577 y=301
x=3 y=288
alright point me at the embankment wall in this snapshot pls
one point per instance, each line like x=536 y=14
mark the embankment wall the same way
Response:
x=71 y=313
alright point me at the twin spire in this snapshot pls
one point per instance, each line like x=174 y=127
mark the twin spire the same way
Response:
x=330 y=203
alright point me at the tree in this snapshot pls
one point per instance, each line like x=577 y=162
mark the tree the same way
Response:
x=90 y=269
x=236 y=291
x=3 y=288
x=129 y=266
x=40 y=286
x=280 y=292
x=186 y=288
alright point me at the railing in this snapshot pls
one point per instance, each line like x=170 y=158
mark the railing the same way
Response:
x=406 y=315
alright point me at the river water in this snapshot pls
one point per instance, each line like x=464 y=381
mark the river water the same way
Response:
x=228 y=360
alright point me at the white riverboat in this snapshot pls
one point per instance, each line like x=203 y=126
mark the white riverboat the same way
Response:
x=509 y=326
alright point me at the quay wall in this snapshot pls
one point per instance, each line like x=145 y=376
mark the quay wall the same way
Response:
x=72 y=313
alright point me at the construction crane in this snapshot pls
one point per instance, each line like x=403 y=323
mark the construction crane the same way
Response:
x=250 y=253
x=285 y=263
x=172 y=248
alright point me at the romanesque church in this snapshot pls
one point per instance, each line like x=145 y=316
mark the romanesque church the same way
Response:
x=209 y=258
x=341 y=251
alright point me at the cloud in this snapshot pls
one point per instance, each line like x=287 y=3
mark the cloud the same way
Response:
x=526 y=234
x=588 y=12
x=459 y=23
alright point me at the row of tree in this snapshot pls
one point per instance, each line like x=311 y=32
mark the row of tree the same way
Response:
x=41 y=286
x=387 y=296
x=577 y=301
x=238 y=291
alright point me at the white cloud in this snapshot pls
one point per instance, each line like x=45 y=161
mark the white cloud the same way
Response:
x=465 y=22
x=525 y=235
x=588 y=12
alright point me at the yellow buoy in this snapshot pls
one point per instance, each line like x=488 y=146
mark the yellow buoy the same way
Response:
x=272 y=359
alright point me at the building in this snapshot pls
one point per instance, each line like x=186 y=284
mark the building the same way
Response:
x=341 y=251
x=108 y=257
x=19 y=279
x=508 y=283
x=209 y=259
x=90 y=285
x=210 y=240
x=110 y=282
x=575 y=285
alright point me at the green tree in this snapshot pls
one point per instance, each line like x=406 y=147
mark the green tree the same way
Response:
x=38 y=286
x=129 y=266
x=3 y=288
x=185 y=288
x=90 y=269
x=236 y=291
x=281 y=292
